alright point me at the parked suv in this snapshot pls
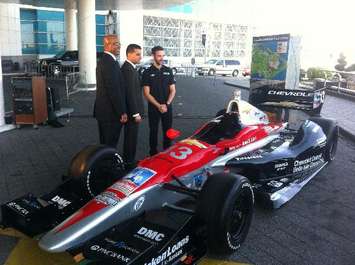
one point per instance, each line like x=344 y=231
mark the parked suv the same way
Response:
x=66 y=61
x=219 y=67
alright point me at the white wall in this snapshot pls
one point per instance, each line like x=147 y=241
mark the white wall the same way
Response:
x=130 y=29
x=10 y=30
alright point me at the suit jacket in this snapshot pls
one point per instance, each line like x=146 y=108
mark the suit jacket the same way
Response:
x=110 y=101
x=134 y=95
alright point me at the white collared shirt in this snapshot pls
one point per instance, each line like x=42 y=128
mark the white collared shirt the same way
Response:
x=134 y=66
x=113 y=56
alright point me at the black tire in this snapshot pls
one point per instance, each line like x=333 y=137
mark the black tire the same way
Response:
x=211 y=72
x=331 y=131
x=225 y=205
x=95 y=168
x=174 y=71
x=235 y=73
x=221 y=112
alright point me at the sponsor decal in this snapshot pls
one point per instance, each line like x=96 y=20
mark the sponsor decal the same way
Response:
x=19 y=208
x=152 y=75
x=289 y=93
x=62 y=203
x=139 y=203
x=166 y=73
x=194 y=142
x=308 y=163
x=198 y=180
x=109 y=253
x=151 y=234
x=171 y=253
x=250 y=140
x=275 y=184
x=248 y=157
x=109 y=198
x=124 y=187
x=140 y=175
x=121 y=245
x=281 y=166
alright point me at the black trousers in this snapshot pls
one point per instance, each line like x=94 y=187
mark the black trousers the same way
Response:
x=154 y=117
x=109 y=132
x=130 y=141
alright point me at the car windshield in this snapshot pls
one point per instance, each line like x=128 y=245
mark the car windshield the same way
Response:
x=212 y=61
x=60 y=54
x=224 y=127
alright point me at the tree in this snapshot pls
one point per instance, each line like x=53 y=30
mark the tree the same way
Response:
x=341 y=63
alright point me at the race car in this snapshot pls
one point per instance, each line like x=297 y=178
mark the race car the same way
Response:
x=194 y=197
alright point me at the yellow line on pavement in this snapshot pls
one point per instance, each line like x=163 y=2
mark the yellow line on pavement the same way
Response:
x=27 y=252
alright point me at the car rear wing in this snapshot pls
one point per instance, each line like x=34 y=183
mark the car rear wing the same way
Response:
x=305 y=98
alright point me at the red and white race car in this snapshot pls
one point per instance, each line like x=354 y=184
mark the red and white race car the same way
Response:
x=194 y=196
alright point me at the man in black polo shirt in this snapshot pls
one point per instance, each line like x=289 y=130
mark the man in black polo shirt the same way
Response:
x=159 y=89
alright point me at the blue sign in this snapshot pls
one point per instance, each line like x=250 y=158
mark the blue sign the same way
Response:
x=140 y=175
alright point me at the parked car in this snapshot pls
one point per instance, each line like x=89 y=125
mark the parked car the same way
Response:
x=176 y=68
x=66 y=61
x=219 y=67
x=246 y=72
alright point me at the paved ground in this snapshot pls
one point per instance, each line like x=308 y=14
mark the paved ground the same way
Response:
x=317 y=227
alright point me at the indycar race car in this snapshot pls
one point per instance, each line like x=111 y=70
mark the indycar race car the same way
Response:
x=194 y=197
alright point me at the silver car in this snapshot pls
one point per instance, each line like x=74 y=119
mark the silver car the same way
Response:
x=219 y=67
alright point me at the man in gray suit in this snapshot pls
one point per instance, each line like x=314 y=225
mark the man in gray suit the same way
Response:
x=134 y=99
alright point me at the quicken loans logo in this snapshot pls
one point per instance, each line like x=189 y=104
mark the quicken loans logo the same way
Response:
x=170 y=253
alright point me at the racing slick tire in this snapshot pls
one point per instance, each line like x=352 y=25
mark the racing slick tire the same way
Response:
x=331 y=131
x=225 y=205
x=235 y=73
x=95 y=168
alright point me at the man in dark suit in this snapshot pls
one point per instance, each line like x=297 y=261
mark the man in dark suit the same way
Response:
x=134 y=100
x=110 y=104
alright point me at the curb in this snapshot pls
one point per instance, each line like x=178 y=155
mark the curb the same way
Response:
x=340 y=95
x=347 y=134
x=228 y=83
x=344 y=132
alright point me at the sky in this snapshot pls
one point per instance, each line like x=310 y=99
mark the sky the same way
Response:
x=326 y=27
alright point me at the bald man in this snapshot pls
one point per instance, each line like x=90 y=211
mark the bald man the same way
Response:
x=110 y=103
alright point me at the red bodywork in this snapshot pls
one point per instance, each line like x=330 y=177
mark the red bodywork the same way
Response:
x=177 y=162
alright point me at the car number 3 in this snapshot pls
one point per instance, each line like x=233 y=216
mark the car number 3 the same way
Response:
x=181 y=153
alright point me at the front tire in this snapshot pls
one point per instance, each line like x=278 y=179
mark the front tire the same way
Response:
x=95 y=168
x=211 y=72
x=235 y=73
x=225 y=205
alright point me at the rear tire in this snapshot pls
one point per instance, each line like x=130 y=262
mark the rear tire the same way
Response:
x=235 y=73
x=225 y=205
x=331 y=130
x=95 y=168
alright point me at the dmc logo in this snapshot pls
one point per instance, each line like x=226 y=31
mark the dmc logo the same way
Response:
x=61 y=202
x=150 y=234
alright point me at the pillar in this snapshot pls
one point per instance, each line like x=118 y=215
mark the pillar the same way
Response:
x=131 y=30
x=87 y=41
x=71 y=32
x=2 y=101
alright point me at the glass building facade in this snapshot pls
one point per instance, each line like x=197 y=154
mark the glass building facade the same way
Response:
x=43 y=31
